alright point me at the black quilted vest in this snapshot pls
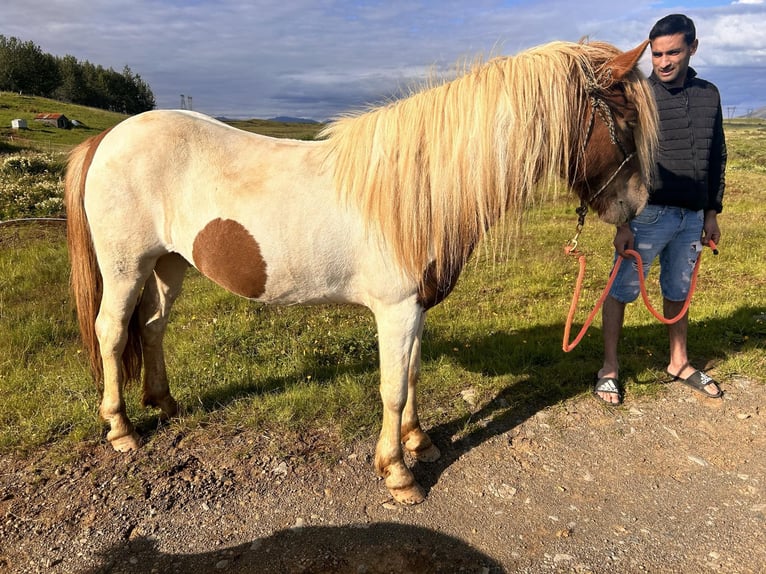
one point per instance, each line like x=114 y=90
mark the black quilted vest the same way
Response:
x=691 y=162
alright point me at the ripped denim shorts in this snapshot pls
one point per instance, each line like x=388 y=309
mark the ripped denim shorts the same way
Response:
x=672 y=233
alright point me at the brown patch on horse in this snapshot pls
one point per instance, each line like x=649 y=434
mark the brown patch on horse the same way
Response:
x=433 y=291
x=226 y=253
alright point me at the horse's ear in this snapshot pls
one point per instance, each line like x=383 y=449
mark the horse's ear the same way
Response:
x=621 y=65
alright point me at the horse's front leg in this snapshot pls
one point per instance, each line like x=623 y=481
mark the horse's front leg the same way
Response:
x=397 y=330
x=417 y=442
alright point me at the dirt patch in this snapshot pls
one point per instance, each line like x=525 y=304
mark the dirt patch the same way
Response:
x=669 y=484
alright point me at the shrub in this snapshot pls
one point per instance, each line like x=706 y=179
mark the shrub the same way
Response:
x=31 y=185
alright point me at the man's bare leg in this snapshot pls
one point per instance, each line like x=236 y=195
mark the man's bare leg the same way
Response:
x=677 y=333
x=612 y=316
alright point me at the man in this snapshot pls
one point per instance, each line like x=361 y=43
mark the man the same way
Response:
x=684 y=201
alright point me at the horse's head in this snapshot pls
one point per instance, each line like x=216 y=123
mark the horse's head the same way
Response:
x=618 y=138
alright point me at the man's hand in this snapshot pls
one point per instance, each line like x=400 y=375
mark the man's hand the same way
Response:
x=623 y=239
x=710 y=229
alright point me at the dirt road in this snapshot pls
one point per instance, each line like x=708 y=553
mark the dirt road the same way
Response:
x=669 y=484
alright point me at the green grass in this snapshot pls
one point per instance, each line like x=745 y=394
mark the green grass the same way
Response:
x=302 y=372
x=278 y=129
x=94 y=120
x=49 y=138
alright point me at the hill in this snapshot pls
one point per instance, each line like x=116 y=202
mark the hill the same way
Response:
x=14 y=106
x=93 y=121
x=291 y=120
x=759 y=113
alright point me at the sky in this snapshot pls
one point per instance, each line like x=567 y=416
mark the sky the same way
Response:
x=319 y=59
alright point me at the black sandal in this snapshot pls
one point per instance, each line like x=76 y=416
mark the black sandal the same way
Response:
x=608 y=385
x=698 y=380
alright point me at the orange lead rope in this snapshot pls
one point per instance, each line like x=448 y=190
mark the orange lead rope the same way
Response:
x=571 y=249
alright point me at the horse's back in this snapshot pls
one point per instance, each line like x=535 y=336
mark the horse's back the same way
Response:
x=258 y=215
x=178 y=170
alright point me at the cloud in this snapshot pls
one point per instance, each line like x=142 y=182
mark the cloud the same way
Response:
x=318 y=59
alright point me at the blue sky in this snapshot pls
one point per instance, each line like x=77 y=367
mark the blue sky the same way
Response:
x=308 y=58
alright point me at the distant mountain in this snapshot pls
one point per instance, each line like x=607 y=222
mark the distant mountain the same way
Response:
x=291 y=120
x=757 y=113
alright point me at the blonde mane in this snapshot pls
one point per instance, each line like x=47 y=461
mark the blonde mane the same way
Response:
x=433 y=171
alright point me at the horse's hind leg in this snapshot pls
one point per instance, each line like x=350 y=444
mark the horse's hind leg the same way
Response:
x=415 y=440
x=161 y=290
x=120 y=293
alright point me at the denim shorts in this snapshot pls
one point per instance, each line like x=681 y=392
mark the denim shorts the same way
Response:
x=673 y=233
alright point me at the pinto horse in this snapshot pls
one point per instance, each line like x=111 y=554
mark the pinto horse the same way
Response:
x=382 y=211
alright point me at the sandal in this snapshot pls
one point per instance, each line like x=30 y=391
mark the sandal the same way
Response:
x=698 y=380
x=608 y=385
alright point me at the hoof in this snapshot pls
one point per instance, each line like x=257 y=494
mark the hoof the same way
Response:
x=167 y=405
x=126 y=443
x=402 y=485
x=419 y=445
x=410 y=495
x=428 y=454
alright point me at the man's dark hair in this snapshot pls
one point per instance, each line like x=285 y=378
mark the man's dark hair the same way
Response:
x=674 y=24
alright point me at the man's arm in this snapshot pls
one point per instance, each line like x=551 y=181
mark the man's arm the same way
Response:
x=717 y=166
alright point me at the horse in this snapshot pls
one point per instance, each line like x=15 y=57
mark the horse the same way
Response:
x=382 y=210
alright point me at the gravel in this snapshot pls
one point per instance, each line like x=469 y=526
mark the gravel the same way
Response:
x=675 y=483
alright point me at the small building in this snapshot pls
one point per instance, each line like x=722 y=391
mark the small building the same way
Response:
x=19 y=124
x=56 y=120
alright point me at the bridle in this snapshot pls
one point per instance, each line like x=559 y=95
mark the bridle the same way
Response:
x=607 y=116
x=600 y=107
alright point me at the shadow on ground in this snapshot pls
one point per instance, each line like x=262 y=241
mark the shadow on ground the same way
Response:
x=541 y=377
x=544 y=379
x=372 y=549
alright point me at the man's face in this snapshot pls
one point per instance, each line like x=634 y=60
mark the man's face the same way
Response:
x=670 y=58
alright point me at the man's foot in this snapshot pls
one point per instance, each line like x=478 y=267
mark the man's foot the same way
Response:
x=608 y=390
x=698 y=380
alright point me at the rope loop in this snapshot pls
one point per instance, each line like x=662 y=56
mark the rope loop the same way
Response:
x=567 y=346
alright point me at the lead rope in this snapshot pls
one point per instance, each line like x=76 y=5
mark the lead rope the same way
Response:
x=571 y=249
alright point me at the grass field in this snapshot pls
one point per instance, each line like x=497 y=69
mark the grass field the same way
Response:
x=39 y=136
x=313 y=371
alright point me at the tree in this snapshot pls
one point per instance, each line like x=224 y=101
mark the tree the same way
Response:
x=139 y=97
x=72 y=87
x=24 y=67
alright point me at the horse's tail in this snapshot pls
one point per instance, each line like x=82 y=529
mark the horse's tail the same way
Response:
x=86 y=279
